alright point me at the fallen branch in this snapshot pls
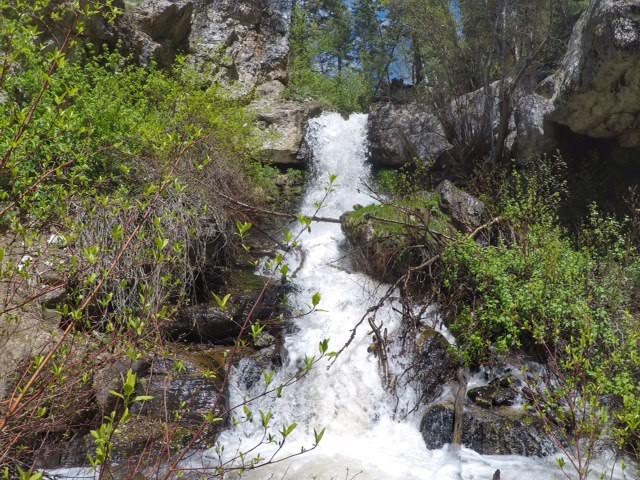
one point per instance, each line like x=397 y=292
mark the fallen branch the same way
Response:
x=404 y=279
x=274 y=213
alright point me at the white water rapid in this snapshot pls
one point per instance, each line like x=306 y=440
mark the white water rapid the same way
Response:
x=363 y=439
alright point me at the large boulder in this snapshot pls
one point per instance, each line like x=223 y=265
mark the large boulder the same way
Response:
x=402 y=133
x=488 y=432
x=597 y=91
x=435 y=366
x=245 y=41
x=164 y=28
x=211 y=324
x=534 y=133
x=465 y=210
x=182 y=388
x=205 y=324
x=286 y=124
x=383 y=237
x=253 y=34
x=185 y=391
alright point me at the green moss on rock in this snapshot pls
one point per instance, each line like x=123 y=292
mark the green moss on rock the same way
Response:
x=385 y=238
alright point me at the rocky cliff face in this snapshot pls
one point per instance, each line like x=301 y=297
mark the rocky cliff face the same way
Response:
x=597 y=89
x=248 y=39
x=595 y=93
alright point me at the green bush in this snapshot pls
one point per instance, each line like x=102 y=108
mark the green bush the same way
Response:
x=569 y=302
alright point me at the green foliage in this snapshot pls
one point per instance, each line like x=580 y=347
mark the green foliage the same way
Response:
x=102 y=116
x=571 y=304
x=103 y=435
x=531 y=292
x=403 y=215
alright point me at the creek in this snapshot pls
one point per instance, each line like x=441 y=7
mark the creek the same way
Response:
x=368 y=436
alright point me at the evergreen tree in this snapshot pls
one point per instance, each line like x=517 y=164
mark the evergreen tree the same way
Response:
x=376 y=41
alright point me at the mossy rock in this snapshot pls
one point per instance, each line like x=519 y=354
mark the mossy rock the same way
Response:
x=383 y=237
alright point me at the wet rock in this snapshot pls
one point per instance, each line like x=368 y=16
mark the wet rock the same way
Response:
x=286 y=123
x=435 y=365
x=402 y=133
x=500 y=392
x=208 y=323
x=204 y=324
x=597 y=91
x=68 y=452
x=251 y=369
x=264 y=340
x=503 y=432
x=180 y=388
x=109 y=378
x=465 y=210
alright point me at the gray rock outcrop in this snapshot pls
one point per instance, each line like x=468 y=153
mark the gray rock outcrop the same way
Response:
x=534 y=133
x=252 y=33
x=285 y=123
x=245 y=42
x=465 y=210
x=597 y=89
x=400 y=133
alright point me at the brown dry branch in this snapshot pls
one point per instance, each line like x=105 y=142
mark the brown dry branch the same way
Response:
x=404 y=281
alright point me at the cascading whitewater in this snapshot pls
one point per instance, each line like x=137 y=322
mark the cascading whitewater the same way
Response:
x=363 y=438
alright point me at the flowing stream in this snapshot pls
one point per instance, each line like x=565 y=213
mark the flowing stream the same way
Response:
x=365 y=439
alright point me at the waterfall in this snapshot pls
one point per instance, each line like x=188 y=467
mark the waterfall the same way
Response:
x=364 y=439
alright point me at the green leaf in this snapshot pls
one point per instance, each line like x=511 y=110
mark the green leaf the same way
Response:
x=222 y=302
x=265 y=418
x=324 y=346
x=116 y=394
x=315 y=299
x=143 y=398
x=247 y=412
x=287 y=430
x=318 y=435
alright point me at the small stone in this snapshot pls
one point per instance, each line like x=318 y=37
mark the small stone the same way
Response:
x=264 y=340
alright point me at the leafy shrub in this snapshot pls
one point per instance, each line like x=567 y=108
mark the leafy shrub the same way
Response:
x=568 y=302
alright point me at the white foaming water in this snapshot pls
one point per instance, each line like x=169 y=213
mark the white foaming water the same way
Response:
x=363 y=438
